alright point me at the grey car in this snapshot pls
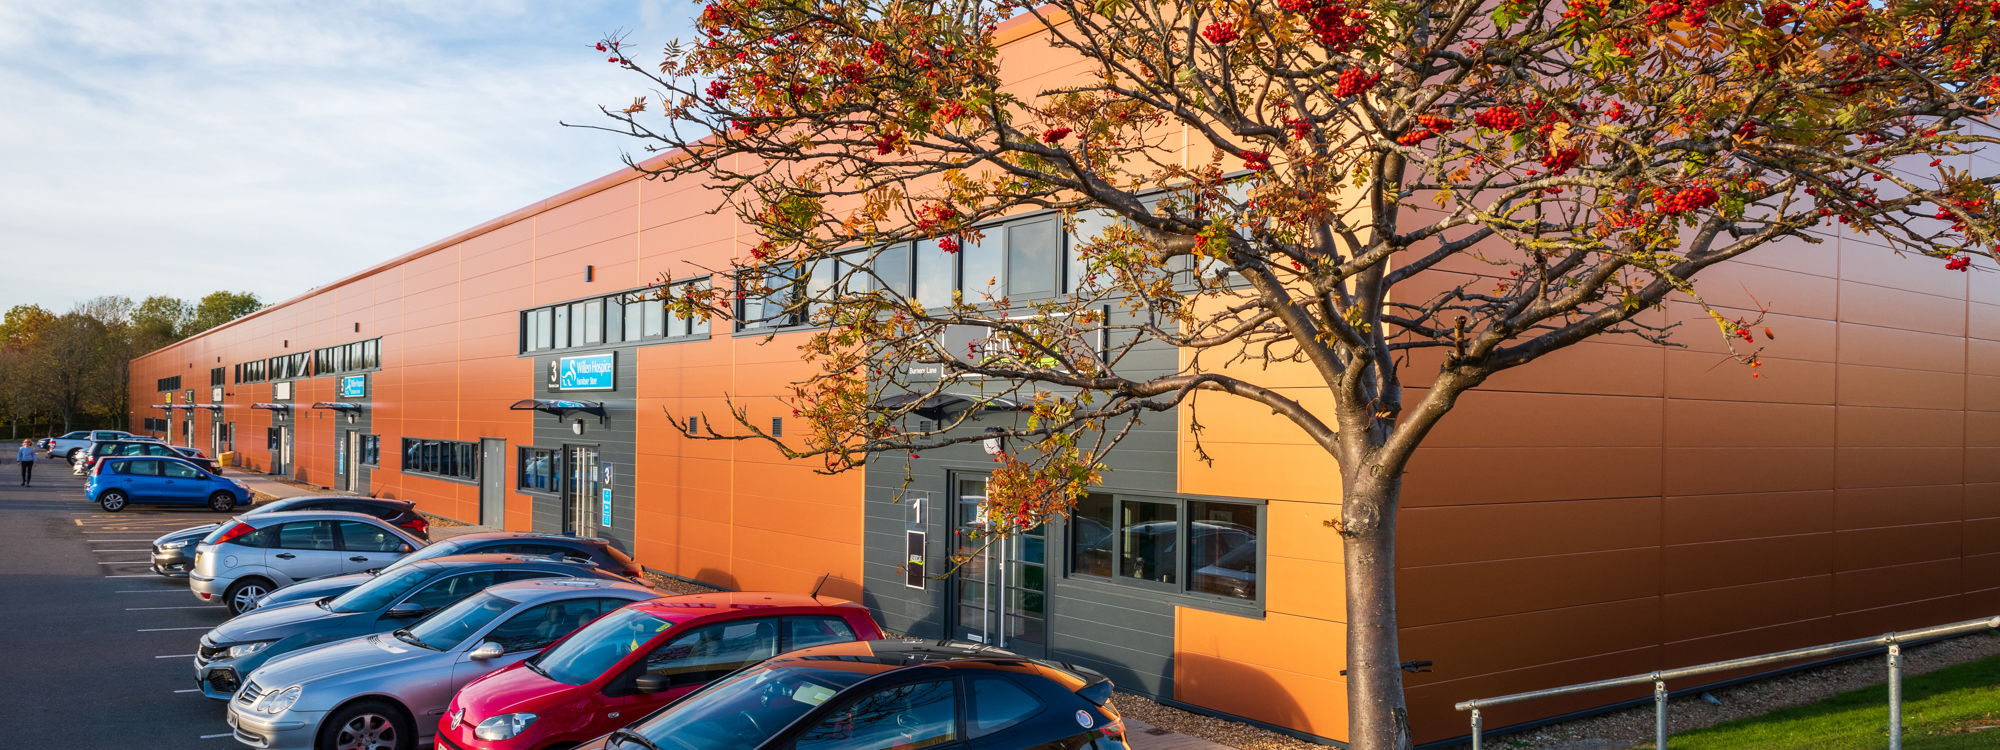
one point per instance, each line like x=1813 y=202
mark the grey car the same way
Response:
x=387 y=690
x=238 y=647
x=173 y=554
x=531 y=543
x=242 y=560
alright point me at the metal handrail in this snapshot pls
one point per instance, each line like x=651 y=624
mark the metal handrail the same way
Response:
x=1659 y=678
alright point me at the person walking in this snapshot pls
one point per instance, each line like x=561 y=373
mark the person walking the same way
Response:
x=27 y=458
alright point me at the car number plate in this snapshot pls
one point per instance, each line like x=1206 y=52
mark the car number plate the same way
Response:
x=232 y=718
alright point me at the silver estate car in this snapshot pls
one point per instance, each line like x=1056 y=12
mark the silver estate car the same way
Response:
x=387 y=690
x=253 y=555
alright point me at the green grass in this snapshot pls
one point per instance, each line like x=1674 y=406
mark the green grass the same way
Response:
x=1941 y=710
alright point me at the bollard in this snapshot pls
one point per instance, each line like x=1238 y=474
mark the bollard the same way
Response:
x=1660 y=714
x=1895 y=696
x=1475 y=729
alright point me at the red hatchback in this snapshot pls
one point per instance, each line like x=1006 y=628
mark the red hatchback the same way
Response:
x=638 y=658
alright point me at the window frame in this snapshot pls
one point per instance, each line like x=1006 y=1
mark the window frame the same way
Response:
x=523 y=454
x=1181 y=589
x=432 y=457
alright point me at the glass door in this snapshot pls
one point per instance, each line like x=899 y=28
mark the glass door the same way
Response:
x=1000 y=590
x=580 y=491
x=285 y=450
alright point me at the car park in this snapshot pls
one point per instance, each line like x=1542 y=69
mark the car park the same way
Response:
x=124 y=481
x=86 y=459
x=382 y=690
x=252 y=555
x=597 y=551
x=876 y=695
x=68 y=446
x=173 y=554
x=234 y=649
x=634 y=660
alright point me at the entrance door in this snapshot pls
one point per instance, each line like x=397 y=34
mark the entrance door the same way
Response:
x=346 y=454
x=1001 y=587
x=285 y=449
x=580 y=490
x=492 y=482
x=215 y=439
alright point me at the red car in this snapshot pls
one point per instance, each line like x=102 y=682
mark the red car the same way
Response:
x=635 y=659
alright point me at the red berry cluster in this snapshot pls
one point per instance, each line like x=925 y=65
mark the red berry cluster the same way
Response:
x=1354 y=81
x=886 y=142
x=1053 y=135
x=1957 y=263
x=1693 y=198
x=1219 y=32
x=1776 y=14
x=1503 y=119
x=1561 y=160
x=1299 y=127
x=1436 y=123
x=718 y=90
x=1257 y=161
x=949 y=245
x=1336 y=26
x=934 y=216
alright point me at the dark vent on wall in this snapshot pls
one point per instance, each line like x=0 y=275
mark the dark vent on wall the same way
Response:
x=777 y=427
x=693 y=424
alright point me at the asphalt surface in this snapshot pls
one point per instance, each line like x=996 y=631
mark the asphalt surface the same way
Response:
x=102 y=649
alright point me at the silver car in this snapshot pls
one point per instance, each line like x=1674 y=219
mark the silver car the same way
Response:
x=253 y=555
x=387 y=690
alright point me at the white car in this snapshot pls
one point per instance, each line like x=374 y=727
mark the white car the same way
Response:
x=253 y=555
x=67 y=446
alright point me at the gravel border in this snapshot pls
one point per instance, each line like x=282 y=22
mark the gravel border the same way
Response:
x=1220 y=731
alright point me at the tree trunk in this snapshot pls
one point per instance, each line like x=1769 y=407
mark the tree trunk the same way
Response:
x=1377 y=717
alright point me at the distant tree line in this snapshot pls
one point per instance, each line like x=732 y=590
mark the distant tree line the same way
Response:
x=71 y=371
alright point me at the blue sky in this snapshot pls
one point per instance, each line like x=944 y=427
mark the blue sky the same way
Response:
x=188 y=146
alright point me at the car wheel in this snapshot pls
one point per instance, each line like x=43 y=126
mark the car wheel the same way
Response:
x=242 y=595
x=222 y=502
x=366 y=725
x=112 y=501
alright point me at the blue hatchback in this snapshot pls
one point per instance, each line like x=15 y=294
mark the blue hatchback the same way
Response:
x=121 y=481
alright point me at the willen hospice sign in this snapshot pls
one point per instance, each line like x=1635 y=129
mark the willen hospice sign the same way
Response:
x=594 y=372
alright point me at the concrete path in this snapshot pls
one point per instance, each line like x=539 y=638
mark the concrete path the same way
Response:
x=1143 y=736
x=267 y=488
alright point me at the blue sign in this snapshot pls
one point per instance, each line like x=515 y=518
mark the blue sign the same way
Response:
x=354 y=386
x=607 y=509
x=593 y=372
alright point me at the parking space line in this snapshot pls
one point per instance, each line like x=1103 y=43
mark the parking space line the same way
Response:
x=174 y=656
x=153 y=591
x=121 y=550
x=118 y=540
x=213 y=736
x=127 y=562
x=199 y=606
x=189 y=690
x=162 y=630
x=141 y=575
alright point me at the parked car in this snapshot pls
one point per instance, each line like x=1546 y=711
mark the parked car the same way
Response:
x=238 y=647
x=597 y=551
x=199 y=458
x=384 y=688
x=69 y=445
x=87 y=459
x=253 y=555
x=173 y=554
x=161 y=481
x=873 y=695
x=634 y=660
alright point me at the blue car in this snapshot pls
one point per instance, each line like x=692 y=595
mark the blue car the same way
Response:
x=158 y=480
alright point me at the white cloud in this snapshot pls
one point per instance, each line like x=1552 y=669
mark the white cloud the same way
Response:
x=180 y=148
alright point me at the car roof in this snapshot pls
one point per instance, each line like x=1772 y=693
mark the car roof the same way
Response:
x=344 y=498
x=878 y=657
x=120 y=459
x=690 y=606
x=544 y=589
x=256 y=519
x=534 y=535
x=489 y=558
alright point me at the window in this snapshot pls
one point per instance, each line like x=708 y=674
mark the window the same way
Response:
x=450 y=459
x=539 y=470
x=312 y=535
x=593 y=322
x=892 y=268
x=634 y=314
x=371 y=450
x=359 y=355
x=271 y=438
x=356 y=536
x=178 y=470
x=561 y=326
x=653 y=319
x=980 y=265
x=170 y=384
x=140 y=468
x=776 y=306
x=541 y=626
x=904 y=717
x=215 y=376
x=998 y=703
x=1148 y=542
x=807 y=632
x=936 y=275
x=714 y=651
x=1032 y=251
x=679 y=327
x=281 y=391
x=451 y=589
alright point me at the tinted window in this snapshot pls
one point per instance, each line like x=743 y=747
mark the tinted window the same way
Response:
x=1090 y=536
x=451 y=625
x=600 y=645
x=998 y=703
x=427 y=552
x=377 y=592
x=806 y=632
x=141 y=468
x=451 y=589
x=713 y=651
x=745 y=710
x=260 y=538
x=905 y=717
x=160 y=450
x=356 y=536
x=178 y=470
x=542 y=625
x=307 y=535
x=1222 y=549
x=550 y=550
x=1146 y=533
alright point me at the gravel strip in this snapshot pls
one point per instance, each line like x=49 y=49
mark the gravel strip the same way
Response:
x=1220 y=731
x=1633 y=727
x=675 y=586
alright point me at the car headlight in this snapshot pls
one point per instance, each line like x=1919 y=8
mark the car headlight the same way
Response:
x=276 y=702
x=177 y=545
x=503 y=727
x=241 y=650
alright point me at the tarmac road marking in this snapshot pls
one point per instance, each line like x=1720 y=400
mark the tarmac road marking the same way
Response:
x=174 y=656
x=118 y=540
x=213 y=736
x=152 y=591
x=127 y=562
x=141 y=575
x=160 y=630
x=199 y=606
x=189 y=690
x=121 y=550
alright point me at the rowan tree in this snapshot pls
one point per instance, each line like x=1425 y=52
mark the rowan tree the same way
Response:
x=1272 y=183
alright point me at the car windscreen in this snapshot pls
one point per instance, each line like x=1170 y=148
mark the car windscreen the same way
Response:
x=743 y=710
x=452 y=625
x=429 y=551
x=379 y=591
x=585 y=655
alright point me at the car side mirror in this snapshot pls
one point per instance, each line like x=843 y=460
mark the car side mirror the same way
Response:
x=407 y=609
x=487 y=650
x=651 y=683
x=405 y=549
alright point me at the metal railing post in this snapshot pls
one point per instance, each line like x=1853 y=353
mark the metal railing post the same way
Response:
x=1895 y=696
x=1659 y=714
x=1475 y=729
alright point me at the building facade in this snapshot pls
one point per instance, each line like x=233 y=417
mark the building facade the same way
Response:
x=1618 y=508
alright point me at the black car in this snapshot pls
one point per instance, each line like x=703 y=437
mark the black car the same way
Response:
x=196 y=457
x=173 y=554
x=596 y=551
x=110 y=448
x=882 y=694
